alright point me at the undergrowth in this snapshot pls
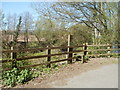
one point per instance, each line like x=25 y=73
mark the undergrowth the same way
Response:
x=16 y=76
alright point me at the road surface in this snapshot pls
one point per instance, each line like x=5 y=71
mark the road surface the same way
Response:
x=103 y=77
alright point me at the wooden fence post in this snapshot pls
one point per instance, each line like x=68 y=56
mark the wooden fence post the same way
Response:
x=13 y=54
x=13 y=57
x=49 y=57
x=85 y=52
x=108 y=52
x=70 y=49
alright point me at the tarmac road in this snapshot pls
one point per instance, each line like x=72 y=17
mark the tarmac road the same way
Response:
x=103 y=77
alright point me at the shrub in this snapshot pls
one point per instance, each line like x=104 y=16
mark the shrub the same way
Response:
x=15 y=76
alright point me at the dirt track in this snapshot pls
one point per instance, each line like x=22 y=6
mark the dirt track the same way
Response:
x=77 y=74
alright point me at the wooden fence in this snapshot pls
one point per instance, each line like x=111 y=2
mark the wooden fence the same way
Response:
x=70 y=52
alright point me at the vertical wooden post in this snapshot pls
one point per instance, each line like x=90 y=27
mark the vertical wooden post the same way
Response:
x=108 y=52
x=70 y=49
x=13 y=54
x=13 y=57
x=49 y=57
x=85 y=52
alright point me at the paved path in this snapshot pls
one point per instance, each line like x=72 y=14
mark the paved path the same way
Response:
x=104 y=77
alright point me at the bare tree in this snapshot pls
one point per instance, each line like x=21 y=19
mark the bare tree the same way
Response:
x=95 y=15
x=17 y=32
x=11 y=21
x=1 y=19
x=27 y=24
x=14 y=21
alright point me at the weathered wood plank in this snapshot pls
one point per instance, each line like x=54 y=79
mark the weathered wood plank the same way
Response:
x=104 y=45
x=38 y=49
x=51 y=62
x=103 y=54
x=41 y=56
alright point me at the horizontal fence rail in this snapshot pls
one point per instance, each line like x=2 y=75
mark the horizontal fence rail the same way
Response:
x=103 y=54
x=41 y=56
x=70 y=51
x=103 y=45
x=38 y=49
x=51 y=62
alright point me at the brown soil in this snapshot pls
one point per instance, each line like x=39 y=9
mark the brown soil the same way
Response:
x=67 y=72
